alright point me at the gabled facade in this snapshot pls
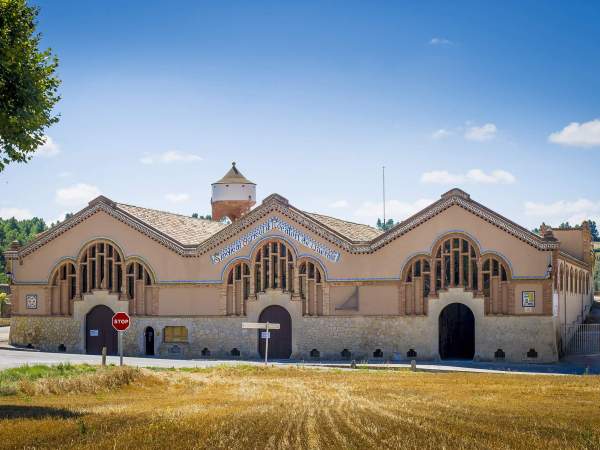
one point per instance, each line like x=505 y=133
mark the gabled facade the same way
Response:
x=455 y=280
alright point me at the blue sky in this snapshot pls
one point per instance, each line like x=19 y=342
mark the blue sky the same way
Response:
x=313 y=98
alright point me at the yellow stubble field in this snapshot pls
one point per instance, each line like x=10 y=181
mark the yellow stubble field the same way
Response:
x=253 y=407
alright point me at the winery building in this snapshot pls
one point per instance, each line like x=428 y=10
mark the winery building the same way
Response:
x=454 y=281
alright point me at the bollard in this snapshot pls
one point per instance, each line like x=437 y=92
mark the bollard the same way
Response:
x=413 y=365
x=103 y=356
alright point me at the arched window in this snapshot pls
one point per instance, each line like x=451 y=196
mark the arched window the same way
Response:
x=417 y=286
x=238 y=289
x=274 y=267
x=138 y=279
x=587 y=284
x=63 y=287
x=561 y=277
x=495 y=285
x=455 y=264
x=101 y=267
x=571 y=280
x=311 y=288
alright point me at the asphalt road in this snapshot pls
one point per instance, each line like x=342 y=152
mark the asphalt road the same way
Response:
x=14 y=358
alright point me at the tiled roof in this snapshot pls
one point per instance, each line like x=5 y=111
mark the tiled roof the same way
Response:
x=184 y=229
x=351 y=230
x=234 y=176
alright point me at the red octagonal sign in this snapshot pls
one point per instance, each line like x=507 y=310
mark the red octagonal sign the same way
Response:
x=121 y=321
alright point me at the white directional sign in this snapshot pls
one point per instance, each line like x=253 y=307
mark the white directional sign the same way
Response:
x=261 y=325
x=266 y=335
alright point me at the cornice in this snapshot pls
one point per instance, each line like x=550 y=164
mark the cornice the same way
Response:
x=280 y=205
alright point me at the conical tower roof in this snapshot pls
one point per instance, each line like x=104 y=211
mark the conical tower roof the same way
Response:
x=234 y=176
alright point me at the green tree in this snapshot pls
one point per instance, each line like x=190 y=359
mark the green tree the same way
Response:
x=594 y=231
x=385 y=226
x=17 y=230
x=206 y=217
x=28 y=84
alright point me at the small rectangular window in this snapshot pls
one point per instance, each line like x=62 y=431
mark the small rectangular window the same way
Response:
x=175 y=334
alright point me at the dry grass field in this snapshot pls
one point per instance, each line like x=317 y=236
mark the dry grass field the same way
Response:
x=252 y=407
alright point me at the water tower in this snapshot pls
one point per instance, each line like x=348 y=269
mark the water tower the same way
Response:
x=232 y=196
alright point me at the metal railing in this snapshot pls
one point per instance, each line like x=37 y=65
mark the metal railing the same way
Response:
x=583 y=339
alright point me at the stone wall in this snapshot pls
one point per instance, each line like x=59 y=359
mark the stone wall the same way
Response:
x=393 y=335
x=47 y=333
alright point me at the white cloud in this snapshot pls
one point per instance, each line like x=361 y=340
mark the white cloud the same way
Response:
x=170 y=157
x=369 y=212
x=64 y=174
x=574 y=212
x=442 y=133
x=60 y=218
x=494 y=177
x=339 y=204
x=48 y=149
x=483 y=133
x=178 y=197
x=440 y=41
x=472 y=176
x=77 y=195
x=17 y=213
x=577 y=134
x=441 y=177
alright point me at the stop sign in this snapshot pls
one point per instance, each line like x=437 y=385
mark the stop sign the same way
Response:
x=121 y=321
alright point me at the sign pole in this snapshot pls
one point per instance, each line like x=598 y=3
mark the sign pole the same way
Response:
x=120 y=348
x=267 y=345
x=121 y=322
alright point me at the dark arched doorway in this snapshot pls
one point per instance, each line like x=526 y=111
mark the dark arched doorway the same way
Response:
x=280 y=342
x=457 y=332
x=99 y=331
x=149 y=341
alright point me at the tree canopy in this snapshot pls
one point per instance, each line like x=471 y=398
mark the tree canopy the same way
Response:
x=17 y=230
x=385 y=226
x=28 y=83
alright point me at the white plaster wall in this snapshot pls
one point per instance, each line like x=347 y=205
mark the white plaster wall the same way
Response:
x=221 y=192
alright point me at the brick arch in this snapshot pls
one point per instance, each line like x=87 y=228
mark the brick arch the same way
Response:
x=237 y=287
x=416 y=285
x=311 y=284
x=502 y=260
x=147 y=266
x=63 y=287
x=455 y=234
x=53 y=271
x=101 y=265
x=273 y=264
x=455 y=260
x=99 y=240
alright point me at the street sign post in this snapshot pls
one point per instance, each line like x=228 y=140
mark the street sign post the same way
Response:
x=266 y=335
x=121 y=322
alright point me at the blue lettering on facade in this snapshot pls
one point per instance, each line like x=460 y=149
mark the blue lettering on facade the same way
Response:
x=272 y=224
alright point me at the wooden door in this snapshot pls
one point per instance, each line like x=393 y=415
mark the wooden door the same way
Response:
x=99 y=331
x=280 y=342
x=457 y=332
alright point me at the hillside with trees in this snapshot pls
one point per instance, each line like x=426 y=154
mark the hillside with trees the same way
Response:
x=17 y=230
